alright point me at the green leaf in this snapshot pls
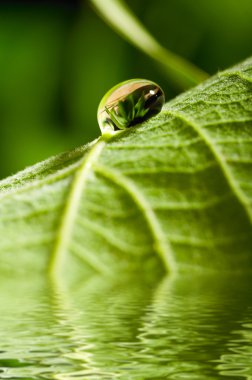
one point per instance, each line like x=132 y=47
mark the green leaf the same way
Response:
x=174 y=193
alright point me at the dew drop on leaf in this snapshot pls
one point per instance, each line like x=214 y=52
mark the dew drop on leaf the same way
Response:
x=129 y=103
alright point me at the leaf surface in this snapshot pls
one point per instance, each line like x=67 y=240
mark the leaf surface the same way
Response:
x=174 y=193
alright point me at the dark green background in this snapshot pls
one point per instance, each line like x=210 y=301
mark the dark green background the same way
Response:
x=57 y=59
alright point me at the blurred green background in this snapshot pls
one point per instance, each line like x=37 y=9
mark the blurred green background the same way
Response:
x=58 y=58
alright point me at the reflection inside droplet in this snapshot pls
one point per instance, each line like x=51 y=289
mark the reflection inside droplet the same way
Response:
x=129 y=103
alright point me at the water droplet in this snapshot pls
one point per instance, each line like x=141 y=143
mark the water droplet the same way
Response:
x=129 y=103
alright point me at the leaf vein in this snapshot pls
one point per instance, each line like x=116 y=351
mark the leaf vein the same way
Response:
x=108 y=237
x=160 y=244
x=220 y=160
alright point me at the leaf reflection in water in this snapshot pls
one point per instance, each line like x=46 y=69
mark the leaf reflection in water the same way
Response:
x=176 y=328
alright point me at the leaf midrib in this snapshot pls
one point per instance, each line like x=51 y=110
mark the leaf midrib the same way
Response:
x=64 y=233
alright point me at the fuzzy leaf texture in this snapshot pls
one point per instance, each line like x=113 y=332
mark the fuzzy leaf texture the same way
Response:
x=172 y=194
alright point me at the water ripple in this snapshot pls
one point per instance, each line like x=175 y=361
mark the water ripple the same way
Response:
x=182 y=328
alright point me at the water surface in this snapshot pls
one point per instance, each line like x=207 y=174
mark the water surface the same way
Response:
x=180 y=328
